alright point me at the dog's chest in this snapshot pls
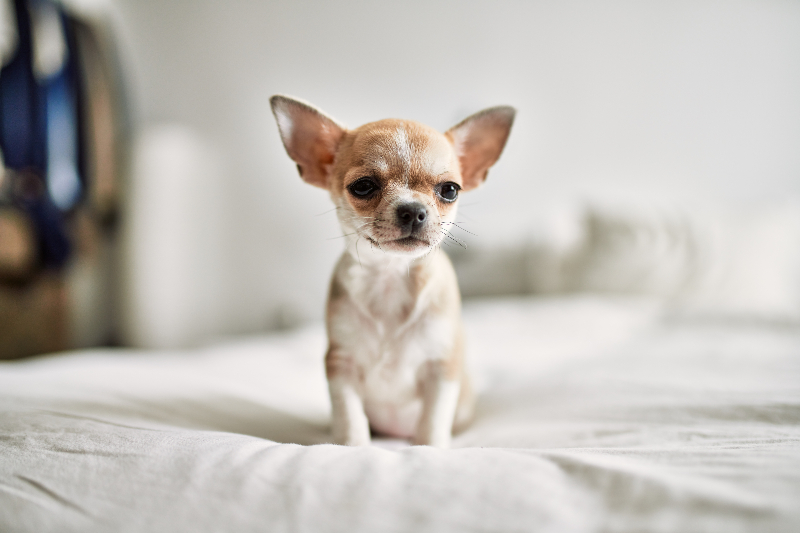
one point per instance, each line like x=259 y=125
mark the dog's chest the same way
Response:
x=396 y=332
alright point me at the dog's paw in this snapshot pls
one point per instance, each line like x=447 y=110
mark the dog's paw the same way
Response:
x=352 y=438
x=354 y=433
x=436 y=439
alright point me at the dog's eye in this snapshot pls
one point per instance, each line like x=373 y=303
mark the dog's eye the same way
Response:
x=449 y=191
x=363 y=188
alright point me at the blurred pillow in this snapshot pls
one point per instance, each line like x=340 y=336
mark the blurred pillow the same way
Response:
x=733 y=263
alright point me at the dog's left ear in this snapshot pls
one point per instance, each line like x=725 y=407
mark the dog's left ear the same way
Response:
x=479 y=140
x=310 y=137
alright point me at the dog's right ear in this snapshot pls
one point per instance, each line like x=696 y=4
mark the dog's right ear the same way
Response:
x=310 y=137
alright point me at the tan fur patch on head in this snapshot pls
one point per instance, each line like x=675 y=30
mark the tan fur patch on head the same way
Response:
x=398 y=150
x=408 y=161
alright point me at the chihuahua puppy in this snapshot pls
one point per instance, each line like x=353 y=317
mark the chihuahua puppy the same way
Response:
x=395 y=359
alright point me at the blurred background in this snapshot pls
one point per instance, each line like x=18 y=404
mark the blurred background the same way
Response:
x=656 y=149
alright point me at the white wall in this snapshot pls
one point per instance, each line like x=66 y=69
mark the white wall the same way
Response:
x=679 y=98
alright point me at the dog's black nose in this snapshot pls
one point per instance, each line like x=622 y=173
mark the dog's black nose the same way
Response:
x=411 y=216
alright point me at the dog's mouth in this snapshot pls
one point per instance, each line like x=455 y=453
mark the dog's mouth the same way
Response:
x=404 y=245
x=411 y=242
x=404 y=242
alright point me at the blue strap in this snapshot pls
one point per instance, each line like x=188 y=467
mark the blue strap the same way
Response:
x=39 y=137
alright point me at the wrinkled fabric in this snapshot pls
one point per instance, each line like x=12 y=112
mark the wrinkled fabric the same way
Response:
x=595 y=414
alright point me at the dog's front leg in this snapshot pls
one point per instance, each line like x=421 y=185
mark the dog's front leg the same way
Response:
x=439 y=402
x=349 y=422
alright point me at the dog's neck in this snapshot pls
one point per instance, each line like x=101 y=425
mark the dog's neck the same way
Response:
x=388 y=285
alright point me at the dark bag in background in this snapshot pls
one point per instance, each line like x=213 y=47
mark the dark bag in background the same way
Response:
x=63 y=132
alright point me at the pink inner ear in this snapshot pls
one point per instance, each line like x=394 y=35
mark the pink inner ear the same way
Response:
x=479 y=141
x=310 y=137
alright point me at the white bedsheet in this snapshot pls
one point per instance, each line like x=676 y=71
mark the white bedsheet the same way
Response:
x=596 y=414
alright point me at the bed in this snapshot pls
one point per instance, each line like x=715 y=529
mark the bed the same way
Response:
x=596 y=413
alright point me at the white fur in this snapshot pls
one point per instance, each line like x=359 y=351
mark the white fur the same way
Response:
x=402 y=149
x=436 y=160
x=381 y=165
x=350 y=426
x=436 y=422
x=285 y=124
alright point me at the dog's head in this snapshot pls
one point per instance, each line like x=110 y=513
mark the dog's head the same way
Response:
x=394 y=182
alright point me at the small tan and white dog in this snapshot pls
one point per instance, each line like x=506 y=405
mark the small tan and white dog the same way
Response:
x=395 y=360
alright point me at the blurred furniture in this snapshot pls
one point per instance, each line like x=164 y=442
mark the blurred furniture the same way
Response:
x=63 y=132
